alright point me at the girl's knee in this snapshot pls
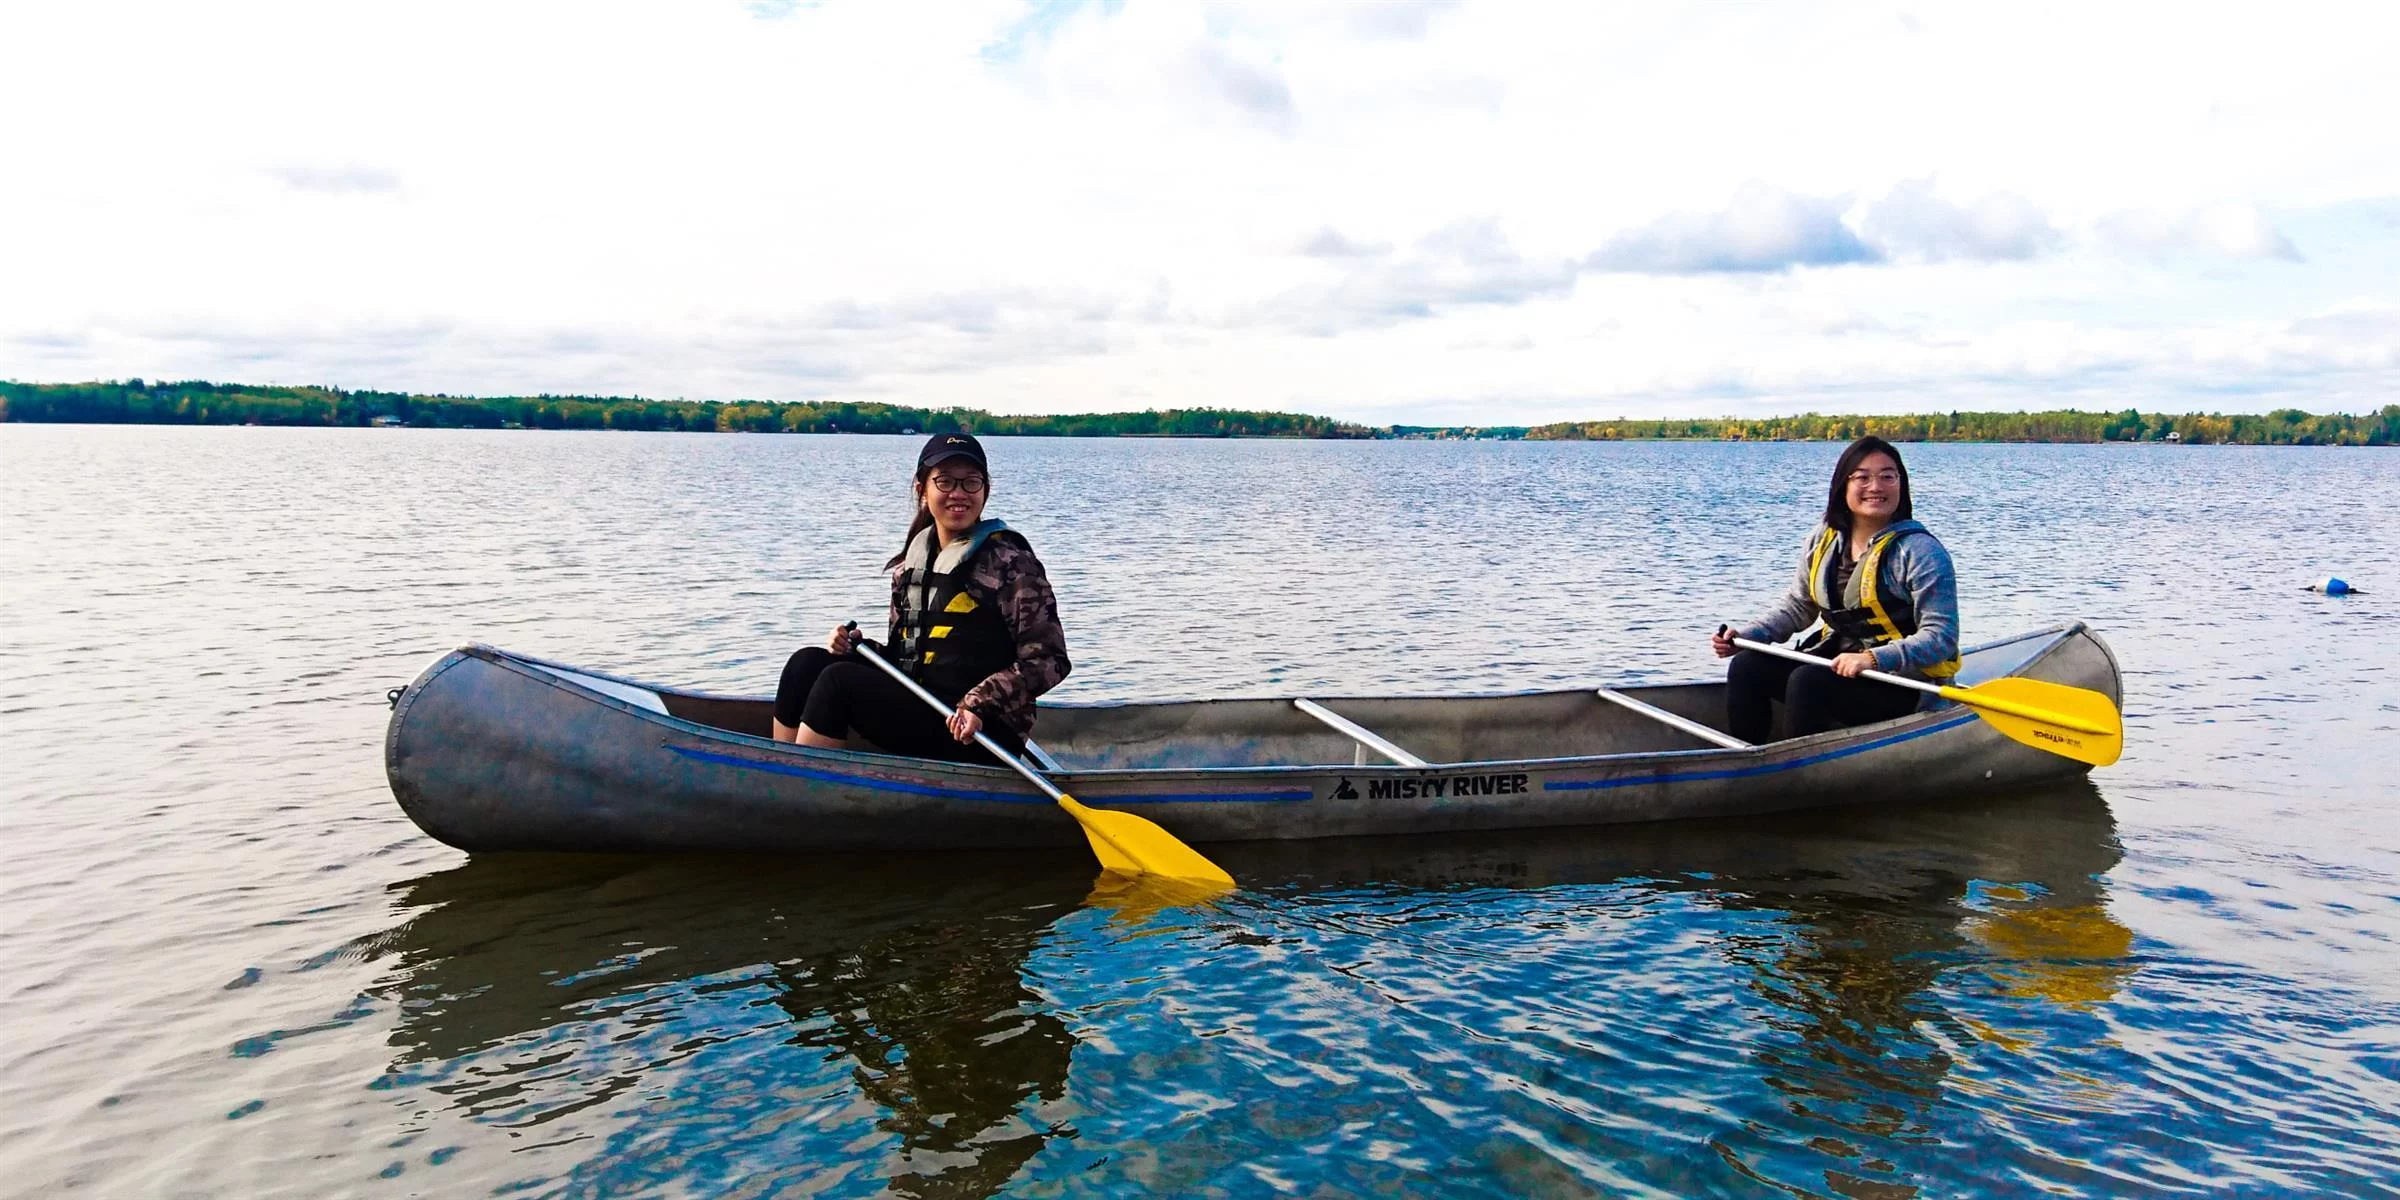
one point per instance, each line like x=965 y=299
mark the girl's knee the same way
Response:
x=846 y=675
x=802 y=670
x=800 y=675
x=1752 y=671
x=1812 y=701
x=1810 y=686
x=833 y=701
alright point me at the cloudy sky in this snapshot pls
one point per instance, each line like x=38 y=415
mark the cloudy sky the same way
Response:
x=1447 y=212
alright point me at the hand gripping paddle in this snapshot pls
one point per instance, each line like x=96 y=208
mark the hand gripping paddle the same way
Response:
x=2074 y=722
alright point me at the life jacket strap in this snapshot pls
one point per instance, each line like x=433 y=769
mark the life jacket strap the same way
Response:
x=944 y=632
x=1870 y=623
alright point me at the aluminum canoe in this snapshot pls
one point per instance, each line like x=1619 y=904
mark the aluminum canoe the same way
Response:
x=493 y=751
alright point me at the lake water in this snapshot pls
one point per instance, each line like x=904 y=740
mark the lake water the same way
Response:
x=233 y=968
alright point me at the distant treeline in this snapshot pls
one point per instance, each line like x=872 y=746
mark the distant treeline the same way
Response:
x=2283 y=427
x=134 y=401
x=194 y=402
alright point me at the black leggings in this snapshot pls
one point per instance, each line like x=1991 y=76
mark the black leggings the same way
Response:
x=1814 y=698
x=840 y=696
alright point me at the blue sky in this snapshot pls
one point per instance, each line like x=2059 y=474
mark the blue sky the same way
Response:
x=1448 y=212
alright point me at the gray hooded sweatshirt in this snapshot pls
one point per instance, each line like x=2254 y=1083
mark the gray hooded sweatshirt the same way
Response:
x=1914 y=565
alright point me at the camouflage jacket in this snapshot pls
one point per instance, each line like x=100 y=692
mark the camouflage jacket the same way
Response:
x=1005 y=573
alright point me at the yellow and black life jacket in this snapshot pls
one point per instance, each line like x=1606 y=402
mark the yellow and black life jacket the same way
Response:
x=1860 y=617
x=947 y=639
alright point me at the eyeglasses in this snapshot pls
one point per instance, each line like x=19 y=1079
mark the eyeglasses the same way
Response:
x=970 y=484
x=1886 y=478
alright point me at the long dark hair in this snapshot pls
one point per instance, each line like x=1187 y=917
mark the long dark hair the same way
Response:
x=1837 y=497
x=924 y=517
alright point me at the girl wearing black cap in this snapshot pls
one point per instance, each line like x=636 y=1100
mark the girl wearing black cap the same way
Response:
x=973 y=620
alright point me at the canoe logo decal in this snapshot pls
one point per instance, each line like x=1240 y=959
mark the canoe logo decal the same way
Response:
x=1343 y=790
x=1446 y=787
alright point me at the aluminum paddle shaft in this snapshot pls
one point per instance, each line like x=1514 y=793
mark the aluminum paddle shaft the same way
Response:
x=1814 y=661
x=1124 y=843
x=2071 y=722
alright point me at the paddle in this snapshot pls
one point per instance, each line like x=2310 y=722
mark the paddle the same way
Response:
x=1124 y=843
x=2074 y=722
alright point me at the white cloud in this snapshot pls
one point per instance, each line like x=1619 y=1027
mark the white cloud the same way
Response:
x=2226 y=230
x=1328 y=242
x=1916 y=222
x=1463 y=264
x=1764 y=229
x=1767 y=229
x=1406 y=20
x=1252 y=88
x=2366 y=326
x=335 y=179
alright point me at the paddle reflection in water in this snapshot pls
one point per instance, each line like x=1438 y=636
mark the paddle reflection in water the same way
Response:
x=1856 y=964
x=761 y=1020
x=1799 y=1002
x=1828 y=1004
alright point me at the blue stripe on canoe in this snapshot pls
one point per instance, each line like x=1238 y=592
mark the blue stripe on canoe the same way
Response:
x=924 y=789
x=1571 y=785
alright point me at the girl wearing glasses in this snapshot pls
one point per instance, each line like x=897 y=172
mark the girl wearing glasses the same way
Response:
x=1883 y=588
x=972 y=619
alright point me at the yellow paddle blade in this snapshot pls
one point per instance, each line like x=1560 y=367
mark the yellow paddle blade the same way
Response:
x=2078 y=723
x=1137 y=898
x=1129 y=845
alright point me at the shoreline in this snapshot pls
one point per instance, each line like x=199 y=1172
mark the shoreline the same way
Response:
x=194 y=402
x=1254 y=437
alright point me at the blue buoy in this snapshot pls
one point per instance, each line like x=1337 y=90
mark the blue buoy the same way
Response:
x=2333 y=586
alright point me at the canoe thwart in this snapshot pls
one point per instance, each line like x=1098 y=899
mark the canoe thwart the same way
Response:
x=1358 y=733
x=1663 y=717
x=1041 y=758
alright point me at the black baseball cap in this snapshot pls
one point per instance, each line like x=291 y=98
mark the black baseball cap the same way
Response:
x=942 y=447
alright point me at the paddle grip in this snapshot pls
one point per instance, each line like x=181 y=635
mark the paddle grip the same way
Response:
x=1814 y=661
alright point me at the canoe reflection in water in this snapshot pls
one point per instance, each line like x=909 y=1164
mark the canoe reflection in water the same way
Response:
x=538 y=987
x=950 y=1025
